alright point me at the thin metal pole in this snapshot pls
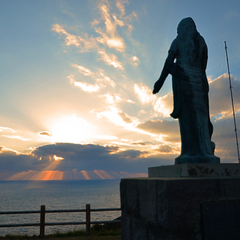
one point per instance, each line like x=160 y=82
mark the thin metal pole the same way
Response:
x=234 y=119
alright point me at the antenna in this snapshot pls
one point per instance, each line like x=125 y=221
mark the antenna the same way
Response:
x=234 y=119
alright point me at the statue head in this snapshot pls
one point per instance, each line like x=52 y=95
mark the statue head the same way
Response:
x=186 y=27
x=187 y=33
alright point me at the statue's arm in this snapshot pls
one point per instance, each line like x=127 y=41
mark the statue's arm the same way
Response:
x=158 y=84
x=168 y=67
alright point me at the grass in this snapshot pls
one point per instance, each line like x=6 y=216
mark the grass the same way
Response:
x=98 y=232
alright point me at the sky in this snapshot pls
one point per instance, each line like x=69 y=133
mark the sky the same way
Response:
x=77 y=78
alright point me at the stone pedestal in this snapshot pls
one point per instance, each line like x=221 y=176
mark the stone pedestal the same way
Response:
x=168 y=208
x=197 y=159
x=210 y=170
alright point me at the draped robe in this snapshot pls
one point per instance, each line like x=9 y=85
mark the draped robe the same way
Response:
x=190 y=95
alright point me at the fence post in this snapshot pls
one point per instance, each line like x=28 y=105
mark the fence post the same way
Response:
x=88 y=219
x=42 y=221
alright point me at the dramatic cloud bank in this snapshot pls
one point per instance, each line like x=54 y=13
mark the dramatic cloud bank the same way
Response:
x=62 y=157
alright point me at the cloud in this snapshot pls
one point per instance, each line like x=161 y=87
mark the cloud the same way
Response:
x=139 y=143
x=88 y=157
x=70 y=39
x=45 y=133
x=7 y=133
x=101 y=79
x=86 y=87
x=120 y=7
x=111 y=38
x=130 y=101
x=95 y=22
x=4 y=149
x=84 y=44
x=104 y=78
x=7 y=129
x=224 y=129
x=107 y=29
x=224 y=138
x=165 y=148
x=119 y=118
x=112 y=42
x=164 y=105
x=126 y=118
x=134 y=60
x=168 y=129
x=10 y=161
x=122 y=119
x=83 y=70
x=219 y=96
x=112 y=114
x=144 y=93
x=99 y=76
x=110 y=59
x=111 y=98
x=132 y=154
x=16 y=137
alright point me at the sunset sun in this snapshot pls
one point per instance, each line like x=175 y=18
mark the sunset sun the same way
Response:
x=71 y=129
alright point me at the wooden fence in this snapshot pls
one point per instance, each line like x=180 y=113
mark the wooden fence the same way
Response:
x=43 y=212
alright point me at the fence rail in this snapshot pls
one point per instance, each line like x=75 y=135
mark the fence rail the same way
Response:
x=43 y=212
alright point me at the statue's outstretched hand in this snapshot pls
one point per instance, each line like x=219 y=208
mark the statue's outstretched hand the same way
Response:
x=157 y=86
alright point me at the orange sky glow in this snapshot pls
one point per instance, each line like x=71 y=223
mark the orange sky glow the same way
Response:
x=70 y=175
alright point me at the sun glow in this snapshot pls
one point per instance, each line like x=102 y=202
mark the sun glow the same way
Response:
x=71 y=129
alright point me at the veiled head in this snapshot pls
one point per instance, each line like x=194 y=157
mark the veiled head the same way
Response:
x=186 y=27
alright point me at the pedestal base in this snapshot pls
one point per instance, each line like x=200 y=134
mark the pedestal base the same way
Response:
x=197 y=159
x=169 y=208
x=211 y=170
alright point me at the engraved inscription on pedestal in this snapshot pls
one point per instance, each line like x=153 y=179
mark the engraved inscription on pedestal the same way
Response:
x=211 y=170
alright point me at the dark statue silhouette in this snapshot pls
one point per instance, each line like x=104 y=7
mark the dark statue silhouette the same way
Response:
x=186 y=62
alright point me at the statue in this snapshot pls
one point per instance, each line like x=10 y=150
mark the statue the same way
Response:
x=186 y=62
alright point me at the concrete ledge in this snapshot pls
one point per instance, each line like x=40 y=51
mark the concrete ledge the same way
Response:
x=210 y=170
x=169 y=208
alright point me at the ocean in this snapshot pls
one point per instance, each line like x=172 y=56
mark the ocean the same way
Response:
x=56 y=195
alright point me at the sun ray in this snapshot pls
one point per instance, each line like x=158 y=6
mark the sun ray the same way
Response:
x=99 y=174
x=103 y=174
x=37 y=175
x=85 y=175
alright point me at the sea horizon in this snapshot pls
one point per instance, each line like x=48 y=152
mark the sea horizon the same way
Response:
x=28 y=195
